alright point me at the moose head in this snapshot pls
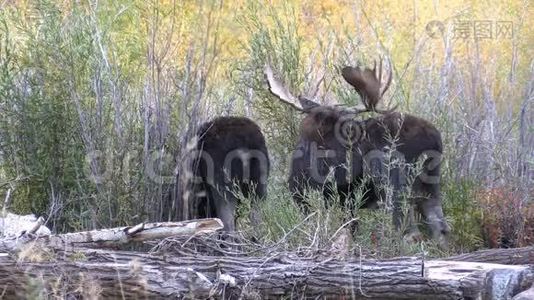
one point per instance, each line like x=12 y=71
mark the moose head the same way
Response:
x=337 y=151
x=367 y=83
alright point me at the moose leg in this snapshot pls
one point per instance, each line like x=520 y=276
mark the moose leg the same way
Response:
x=390 y=183
x=296 y=187
x=332 y=194
x=377 y=175
x=344 y=195
x=395 y=179
x=430 y=208
x=225 y=208
x=427 y=191
x=385 y=184
x=257 y=197
x=412 y=233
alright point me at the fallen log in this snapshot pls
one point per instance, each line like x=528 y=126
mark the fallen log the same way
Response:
x=126 y=274
x=59 y=265
x=511 y=256
x=112 y=236
x=525 y=295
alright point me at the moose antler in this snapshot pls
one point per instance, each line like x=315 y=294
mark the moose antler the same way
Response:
x=367 y=83
x=278 y=89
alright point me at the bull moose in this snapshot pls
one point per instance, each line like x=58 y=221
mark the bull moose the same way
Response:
x=338 y=152
x=226 y=156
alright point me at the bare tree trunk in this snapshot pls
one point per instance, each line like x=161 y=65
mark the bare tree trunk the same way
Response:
x=113 y=236
x=526 y=137
x=512 y=256
x=137 y=275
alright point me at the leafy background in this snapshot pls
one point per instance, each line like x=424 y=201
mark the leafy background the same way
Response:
x=98 y=100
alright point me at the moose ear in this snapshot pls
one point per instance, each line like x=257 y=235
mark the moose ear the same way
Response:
x=307 y=104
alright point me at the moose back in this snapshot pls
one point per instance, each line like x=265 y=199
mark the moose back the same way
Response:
x=339 y=151
x=227 y=156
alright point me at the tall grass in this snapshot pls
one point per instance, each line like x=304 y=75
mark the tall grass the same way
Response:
x=97 y=102
x=483 y=141
x=91 y=130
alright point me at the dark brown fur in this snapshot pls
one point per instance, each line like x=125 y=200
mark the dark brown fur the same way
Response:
x=415 y=136
x=336 y=152
x=212 y=194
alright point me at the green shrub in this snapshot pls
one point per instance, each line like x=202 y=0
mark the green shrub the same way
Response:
x=463 y=215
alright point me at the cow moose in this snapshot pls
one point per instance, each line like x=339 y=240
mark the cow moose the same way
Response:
x=338 y=152
x=226 y=156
